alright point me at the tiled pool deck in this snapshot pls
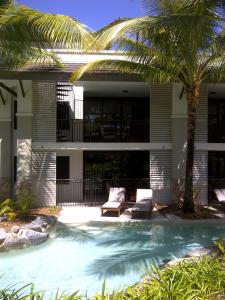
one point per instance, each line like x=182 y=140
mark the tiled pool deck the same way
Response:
x=72 y=215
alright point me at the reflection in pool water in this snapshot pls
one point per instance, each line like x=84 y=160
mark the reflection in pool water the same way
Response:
x=80 y=257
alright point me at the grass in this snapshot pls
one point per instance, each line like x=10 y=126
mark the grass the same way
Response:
x=203 y=279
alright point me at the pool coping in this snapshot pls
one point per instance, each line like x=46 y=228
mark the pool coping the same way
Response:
x=114 y=220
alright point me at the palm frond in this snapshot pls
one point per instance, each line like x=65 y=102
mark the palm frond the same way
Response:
x=153 y=72
x=20 y=23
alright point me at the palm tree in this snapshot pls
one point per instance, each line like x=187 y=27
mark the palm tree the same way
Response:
x=27 y=35
x=178 y=41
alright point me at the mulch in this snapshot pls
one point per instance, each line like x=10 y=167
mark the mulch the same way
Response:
x=30 y=215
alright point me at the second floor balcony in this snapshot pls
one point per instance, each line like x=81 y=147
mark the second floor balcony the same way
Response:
x=94 y=131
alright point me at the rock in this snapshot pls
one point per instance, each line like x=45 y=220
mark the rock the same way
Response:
x=14 y=242
x=15 y=229
x=24 y=238
x=49 y=220
x=34 y=226
x=3 y=235
x=35 y=237
x=199 y=252
x=3 y=218
x=41 y=223
x=177 y=261
x=26 y=235
x=212 y=250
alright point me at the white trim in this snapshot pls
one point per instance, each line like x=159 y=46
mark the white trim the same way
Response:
x=24 y=114
x=179 y=116
x=210 y=146
x=101 y=146
x=78 y=52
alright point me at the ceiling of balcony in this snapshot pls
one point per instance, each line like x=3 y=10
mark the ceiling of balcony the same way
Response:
x=217 y=91
x=115 y=89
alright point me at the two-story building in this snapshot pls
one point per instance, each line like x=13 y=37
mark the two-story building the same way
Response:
x=71 y=142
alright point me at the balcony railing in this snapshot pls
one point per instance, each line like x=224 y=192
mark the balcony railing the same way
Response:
x=95 y=191
x=95 y=131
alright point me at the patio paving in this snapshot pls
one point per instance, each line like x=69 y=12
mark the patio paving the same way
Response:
x=78 y=215
x=70 y=215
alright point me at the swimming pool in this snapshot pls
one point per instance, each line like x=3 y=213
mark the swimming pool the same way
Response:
x=80 y=257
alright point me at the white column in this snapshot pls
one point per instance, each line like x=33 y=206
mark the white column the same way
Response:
x=79 y=102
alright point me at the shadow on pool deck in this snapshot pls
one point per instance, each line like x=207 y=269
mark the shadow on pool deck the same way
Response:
x=70 y=215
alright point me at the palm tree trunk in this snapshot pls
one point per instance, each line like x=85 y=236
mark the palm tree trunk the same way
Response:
x=192 y=99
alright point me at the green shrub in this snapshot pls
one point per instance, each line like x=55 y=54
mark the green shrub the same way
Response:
x=25 y=199
x=202 y=279
x=220 y=245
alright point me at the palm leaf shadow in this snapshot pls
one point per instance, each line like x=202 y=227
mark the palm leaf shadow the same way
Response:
x=143 y=247
x=74 y=233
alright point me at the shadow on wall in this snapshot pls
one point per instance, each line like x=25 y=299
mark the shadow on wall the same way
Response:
x=201 y=176
x=24 y=160
x=5 y=188
x=44 y=177
x=161 y=176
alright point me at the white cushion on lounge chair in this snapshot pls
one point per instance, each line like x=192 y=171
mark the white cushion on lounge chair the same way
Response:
x=143 y=195
x=143 y=201
x=220 y=194
x=117 y=194
x=111 y=204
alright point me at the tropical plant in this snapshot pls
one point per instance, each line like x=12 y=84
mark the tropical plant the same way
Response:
x=6 y=206
x=25 y=199
x=27 y=292
x=220 y=245
x=27 y=35
x=178 y=41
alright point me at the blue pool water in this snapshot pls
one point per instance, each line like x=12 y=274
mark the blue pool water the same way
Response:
x=80 y=257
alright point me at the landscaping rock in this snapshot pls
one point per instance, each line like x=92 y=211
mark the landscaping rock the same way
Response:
x=13 y=242
x=35 y=237
x=3 y=235
x=177 y=261
x=23 y=238
x=199 y=252
x=26 y=235
x=213 y=250
x=41 y=223
x=15 y=229
x=3 y=218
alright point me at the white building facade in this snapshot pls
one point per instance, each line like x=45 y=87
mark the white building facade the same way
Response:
x=70 y=142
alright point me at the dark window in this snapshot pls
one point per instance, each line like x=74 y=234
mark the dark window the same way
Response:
x=216 y=120
x=216 y=172
x=63 y=168
x=116 y=164
x=116 y=120
x=216 y=165
x=15 y=114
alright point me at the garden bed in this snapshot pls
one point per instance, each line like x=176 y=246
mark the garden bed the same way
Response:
x=202 y=212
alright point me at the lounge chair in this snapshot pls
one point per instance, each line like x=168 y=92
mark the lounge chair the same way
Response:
x=220 y=194
x=143 y=205
x=115 y=201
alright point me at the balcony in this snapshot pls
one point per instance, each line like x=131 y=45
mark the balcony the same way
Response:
x=133 y=131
